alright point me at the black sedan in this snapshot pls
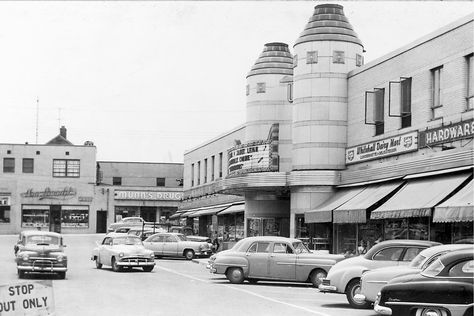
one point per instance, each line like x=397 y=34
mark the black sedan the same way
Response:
x=445 y=288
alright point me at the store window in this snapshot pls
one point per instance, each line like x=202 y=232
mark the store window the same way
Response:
x=28 y=165
x=8 y=165
x=116 y=180
x=66 y=168
x=4 y=209
x=35 y=216
x=126 y=211
x=407 y=228
x=278 y=226
x=436 y=97
x=74 y=216
x=462 y=231
x=231 y=227
x=346 y=239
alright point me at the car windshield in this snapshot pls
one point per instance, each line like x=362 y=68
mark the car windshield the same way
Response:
x=300 y=248
x=42 y=240
x=181 y=237
x=433 y=269
x=127 y=240
x=417 y=262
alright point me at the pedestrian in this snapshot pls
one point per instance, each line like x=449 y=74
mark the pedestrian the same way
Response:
x=215 y=242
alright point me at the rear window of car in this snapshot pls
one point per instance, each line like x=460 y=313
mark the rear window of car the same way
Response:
x=411 y=253
x=462 y=269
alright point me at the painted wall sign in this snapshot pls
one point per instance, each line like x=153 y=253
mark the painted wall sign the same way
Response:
x=383 y=148
x=63 y=194
x=447 y=133
x=148 y=195
x=251 y=157
x=27 y=298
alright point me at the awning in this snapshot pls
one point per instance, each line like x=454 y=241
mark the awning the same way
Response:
x=187 y=213
x=208 y=211
x=354 y=210
x=323 y=213
x=418 y=196
x=458 y=208
x=176 y=215
x=235 y=208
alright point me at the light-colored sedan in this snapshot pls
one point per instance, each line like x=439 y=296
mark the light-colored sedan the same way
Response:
x=123 y=251
x=272 y=258
x=372 y=281
x=176 y=245
x=345 y=276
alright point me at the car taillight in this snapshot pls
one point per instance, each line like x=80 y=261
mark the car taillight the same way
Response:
x=431 y=311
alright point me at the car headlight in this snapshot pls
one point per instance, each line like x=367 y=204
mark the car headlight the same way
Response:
x=431 y=311
x=25 y=257
x=121 y=254
x=152 y=255
x=62 y=258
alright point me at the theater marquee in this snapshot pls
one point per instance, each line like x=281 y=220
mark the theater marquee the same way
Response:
x=392 y=146
x=251 y=157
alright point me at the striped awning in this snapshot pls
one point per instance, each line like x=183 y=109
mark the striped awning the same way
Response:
x=458 y=208
x=234 y=208
x=208 y=211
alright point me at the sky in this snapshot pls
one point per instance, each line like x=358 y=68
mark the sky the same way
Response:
x=147 y=80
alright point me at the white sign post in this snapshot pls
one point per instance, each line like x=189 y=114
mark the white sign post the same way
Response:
x=27 y=298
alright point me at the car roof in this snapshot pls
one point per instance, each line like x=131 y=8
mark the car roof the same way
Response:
x=114 y=234
x=132 y=217
x=457 y=255
x=428 y=252
x=400 y=242
x=270 y=238
x=39 y=232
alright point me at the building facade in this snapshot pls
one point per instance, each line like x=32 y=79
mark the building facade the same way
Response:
x=337 y=152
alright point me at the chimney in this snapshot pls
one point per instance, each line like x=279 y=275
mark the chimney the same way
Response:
x=62 y=132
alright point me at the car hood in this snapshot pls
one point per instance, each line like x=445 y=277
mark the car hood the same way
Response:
x=130 y=250
x=43 y=249
x=408 y=278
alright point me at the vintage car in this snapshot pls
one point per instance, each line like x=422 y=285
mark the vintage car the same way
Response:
x=272 y=258
x=372 y=281
x=444 y=288
x=120 y=251
x=41 y=252
x=126 y=222
x=176 y=245
x=185 y=230
x=144 y=233
x=345 y=276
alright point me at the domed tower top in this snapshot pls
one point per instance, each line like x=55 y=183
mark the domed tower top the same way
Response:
x=275 y=59
x=328 y=23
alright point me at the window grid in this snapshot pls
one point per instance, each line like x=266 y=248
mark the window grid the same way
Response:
x=379 y=111
x=160 y=182
x=436 y=105
x=406 y=102
x=66 y=168
x=8 y=165
x=28 y=165
x=312 y=57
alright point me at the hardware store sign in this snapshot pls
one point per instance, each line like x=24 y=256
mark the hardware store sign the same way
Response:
x=447 y=133
x=27 y=298
x=392 y=146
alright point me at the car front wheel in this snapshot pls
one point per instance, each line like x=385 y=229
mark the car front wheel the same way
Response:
x=352 y=289
x=98 y=265
x=189 y=254
x=316 y=277
x=115 y=266
x=235 y=275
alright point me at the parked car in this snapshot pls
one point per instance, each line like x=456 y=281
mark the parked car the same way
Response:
x=126 y=222
x=444 y=288
x=372 y=281
x=41 y=252
x=144 y=233
x=345 y=276
x=185 y=230
x=120 y=251
x=176 y=245
x=272 y=258
x=123 y=229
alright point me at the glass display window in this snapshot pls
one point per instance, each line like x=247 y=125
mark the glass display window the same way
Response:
x=462 y=231
x=4 y=209
x=346 y=239
x=75 y=216
x=126 y=211
x=35 y=216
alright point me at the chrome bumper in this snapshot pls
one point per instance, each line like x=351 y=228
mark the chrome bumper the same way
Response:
x=42 y=269
x=382 y=310
x=327 y=288
x=135 y=263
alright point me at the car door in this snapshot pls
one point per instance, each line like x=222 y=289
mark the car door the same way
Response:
x=257 y=257
x=170 y=246
x=155 y=244
x=282 y=262
x=105 y=250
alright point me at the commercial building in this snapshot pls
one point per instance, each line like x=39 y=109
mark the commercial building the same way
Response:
x=343 y=154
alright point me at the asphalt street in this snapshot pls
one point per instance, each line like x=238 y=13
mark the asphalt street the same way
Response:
x=174 y=287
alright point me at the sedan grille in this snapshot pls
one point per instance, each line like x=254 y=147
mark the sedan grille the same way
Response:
x=136 y=259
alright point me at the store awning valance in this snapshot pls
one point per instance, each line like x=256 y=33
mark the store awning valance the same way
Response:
x=208 y=211
x=418 y=196
x=354 y=210
x=323 y=213
x=187 y=213
x=458 y=208
x=234 y=208
x=176 y=215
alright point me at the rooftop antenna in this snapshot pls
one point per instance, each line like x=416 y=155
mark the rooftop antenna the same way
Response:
x=37 y=115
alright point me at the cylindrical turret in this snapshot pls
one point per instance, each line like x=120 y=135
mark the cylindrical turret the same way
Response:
x=268 y=92
x=325 y=52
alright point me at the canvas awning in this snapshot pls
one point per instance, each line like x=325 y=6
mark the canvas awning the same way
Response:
x=323 y=213
x=187 y=213
x=354 y=210
x=176 y=215
x=458 y=208
x=234 y=208
x=418 y=196
x=208 y=211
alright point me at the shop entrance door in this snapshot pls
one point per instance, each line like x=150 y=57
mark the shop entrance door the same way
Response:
x=55 y=219
x=101 y=222
x=148 y=213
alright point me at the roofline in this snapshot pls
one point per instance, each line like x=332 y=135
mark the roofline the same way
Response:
x=429 y=37
x=142 y=162
x=242 y=126
x=48 y=145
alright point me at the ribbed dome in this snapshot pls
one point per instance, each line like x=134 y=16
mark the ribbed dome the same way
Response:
x=328 y=23
x=275 y=59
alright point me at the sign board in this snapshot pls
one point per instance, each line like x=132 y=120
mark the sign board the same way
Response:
x=250 y=157
x=386 y=147
x=63 y=194
x=148 y=195
x=447 y=133
x=27 y=298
